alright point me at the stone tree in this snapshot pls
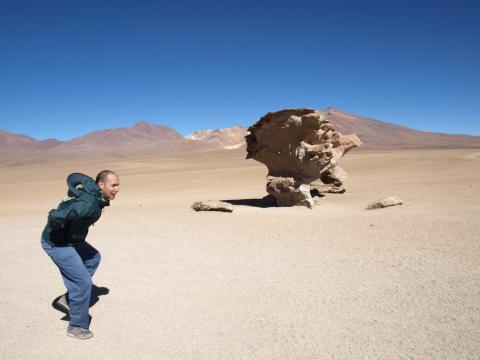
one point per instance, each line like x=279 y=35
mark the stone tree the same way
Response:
x=299 y=147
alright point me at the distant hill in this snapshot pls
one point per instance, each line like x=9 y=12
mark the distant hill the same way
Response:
x=140 y=134
x=229 y=138
x=144 y=136
x=18 y=141
x=139 y=137
x=375 y=133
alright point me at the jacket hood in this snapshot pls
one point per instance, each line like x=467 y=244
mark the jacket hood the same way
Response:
x=78 y=183
x=90 y=187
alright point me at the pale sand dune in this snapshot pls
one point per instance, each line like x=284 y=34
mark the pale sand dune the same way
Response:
x=335 y=282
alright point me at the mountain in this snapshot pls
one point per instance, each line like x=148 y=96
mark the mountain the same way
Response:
x=144 y=136
x=229 y=138
x=375 y=133
x=9 y=141
x=140 y=134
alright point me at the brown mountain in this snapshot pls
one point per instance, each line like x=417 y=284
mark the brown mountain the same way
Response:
x=375 y=133
x=158 y=138
x=140 y=138
x=142 y=133
x=9 y=141
x=228 y=138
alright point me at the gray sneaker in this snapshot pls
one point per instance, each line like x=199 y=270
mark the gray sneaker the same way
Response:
x=63 y=303
x=78 y=332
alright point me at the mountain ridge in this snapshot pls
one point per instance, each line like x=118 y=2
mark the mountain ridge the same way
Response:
x=142 y=134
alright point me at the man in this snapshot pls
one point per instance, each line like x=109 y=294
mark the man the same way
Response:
x=63 y=239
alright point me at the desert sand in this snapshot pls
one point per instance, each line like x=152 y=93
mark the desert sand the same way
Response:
x=334 y=282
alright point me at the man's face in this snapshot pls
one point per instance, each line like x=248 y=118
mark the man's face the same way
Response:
x=110 y=187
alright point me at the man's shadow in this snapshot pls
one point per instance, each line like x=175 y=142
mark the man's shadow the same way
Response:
x=97 y=291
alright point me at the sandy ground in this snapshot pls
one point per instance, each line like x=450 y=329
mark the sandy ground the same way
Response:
x=335 y=282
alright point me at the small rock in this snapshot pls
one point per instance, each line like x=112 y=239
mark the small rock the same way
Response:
x=212 y=206
x=336 y=190
x=389 y=201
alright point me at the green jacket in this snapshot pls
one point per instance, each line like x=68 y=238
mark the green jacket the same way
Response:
x=69 y=223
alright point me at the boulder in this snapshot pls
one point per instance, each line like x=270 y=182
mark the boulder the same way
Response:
x=389 y=201
x=212 y=206
x=299 y=146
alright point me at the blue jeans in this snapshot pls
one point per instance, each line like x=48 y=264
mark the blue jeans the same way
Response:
x=77 y=264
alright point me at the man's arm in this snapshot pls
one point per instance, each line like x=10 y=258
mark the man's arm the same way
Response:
x=60 y=217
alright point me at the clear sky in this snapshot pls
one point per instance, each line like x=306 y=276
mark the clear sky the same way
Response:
x=69 y=67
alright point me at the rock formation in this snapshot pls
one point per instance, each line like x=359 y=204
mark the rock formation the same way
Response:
x=298 y=146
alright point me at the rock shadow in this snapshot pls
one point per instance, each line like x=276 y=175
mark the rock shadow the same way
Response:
x=265 y=202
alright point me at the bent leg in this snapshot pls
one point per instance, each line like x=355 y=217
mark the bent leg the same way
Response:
x=90 y=256
x=77 y=280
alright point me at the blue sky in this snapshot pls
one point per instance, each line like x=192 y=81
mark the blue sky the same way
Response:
x=70 y=67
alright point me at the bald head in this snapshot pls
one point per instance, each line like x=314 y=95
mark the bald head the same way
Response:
x=108 y=183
